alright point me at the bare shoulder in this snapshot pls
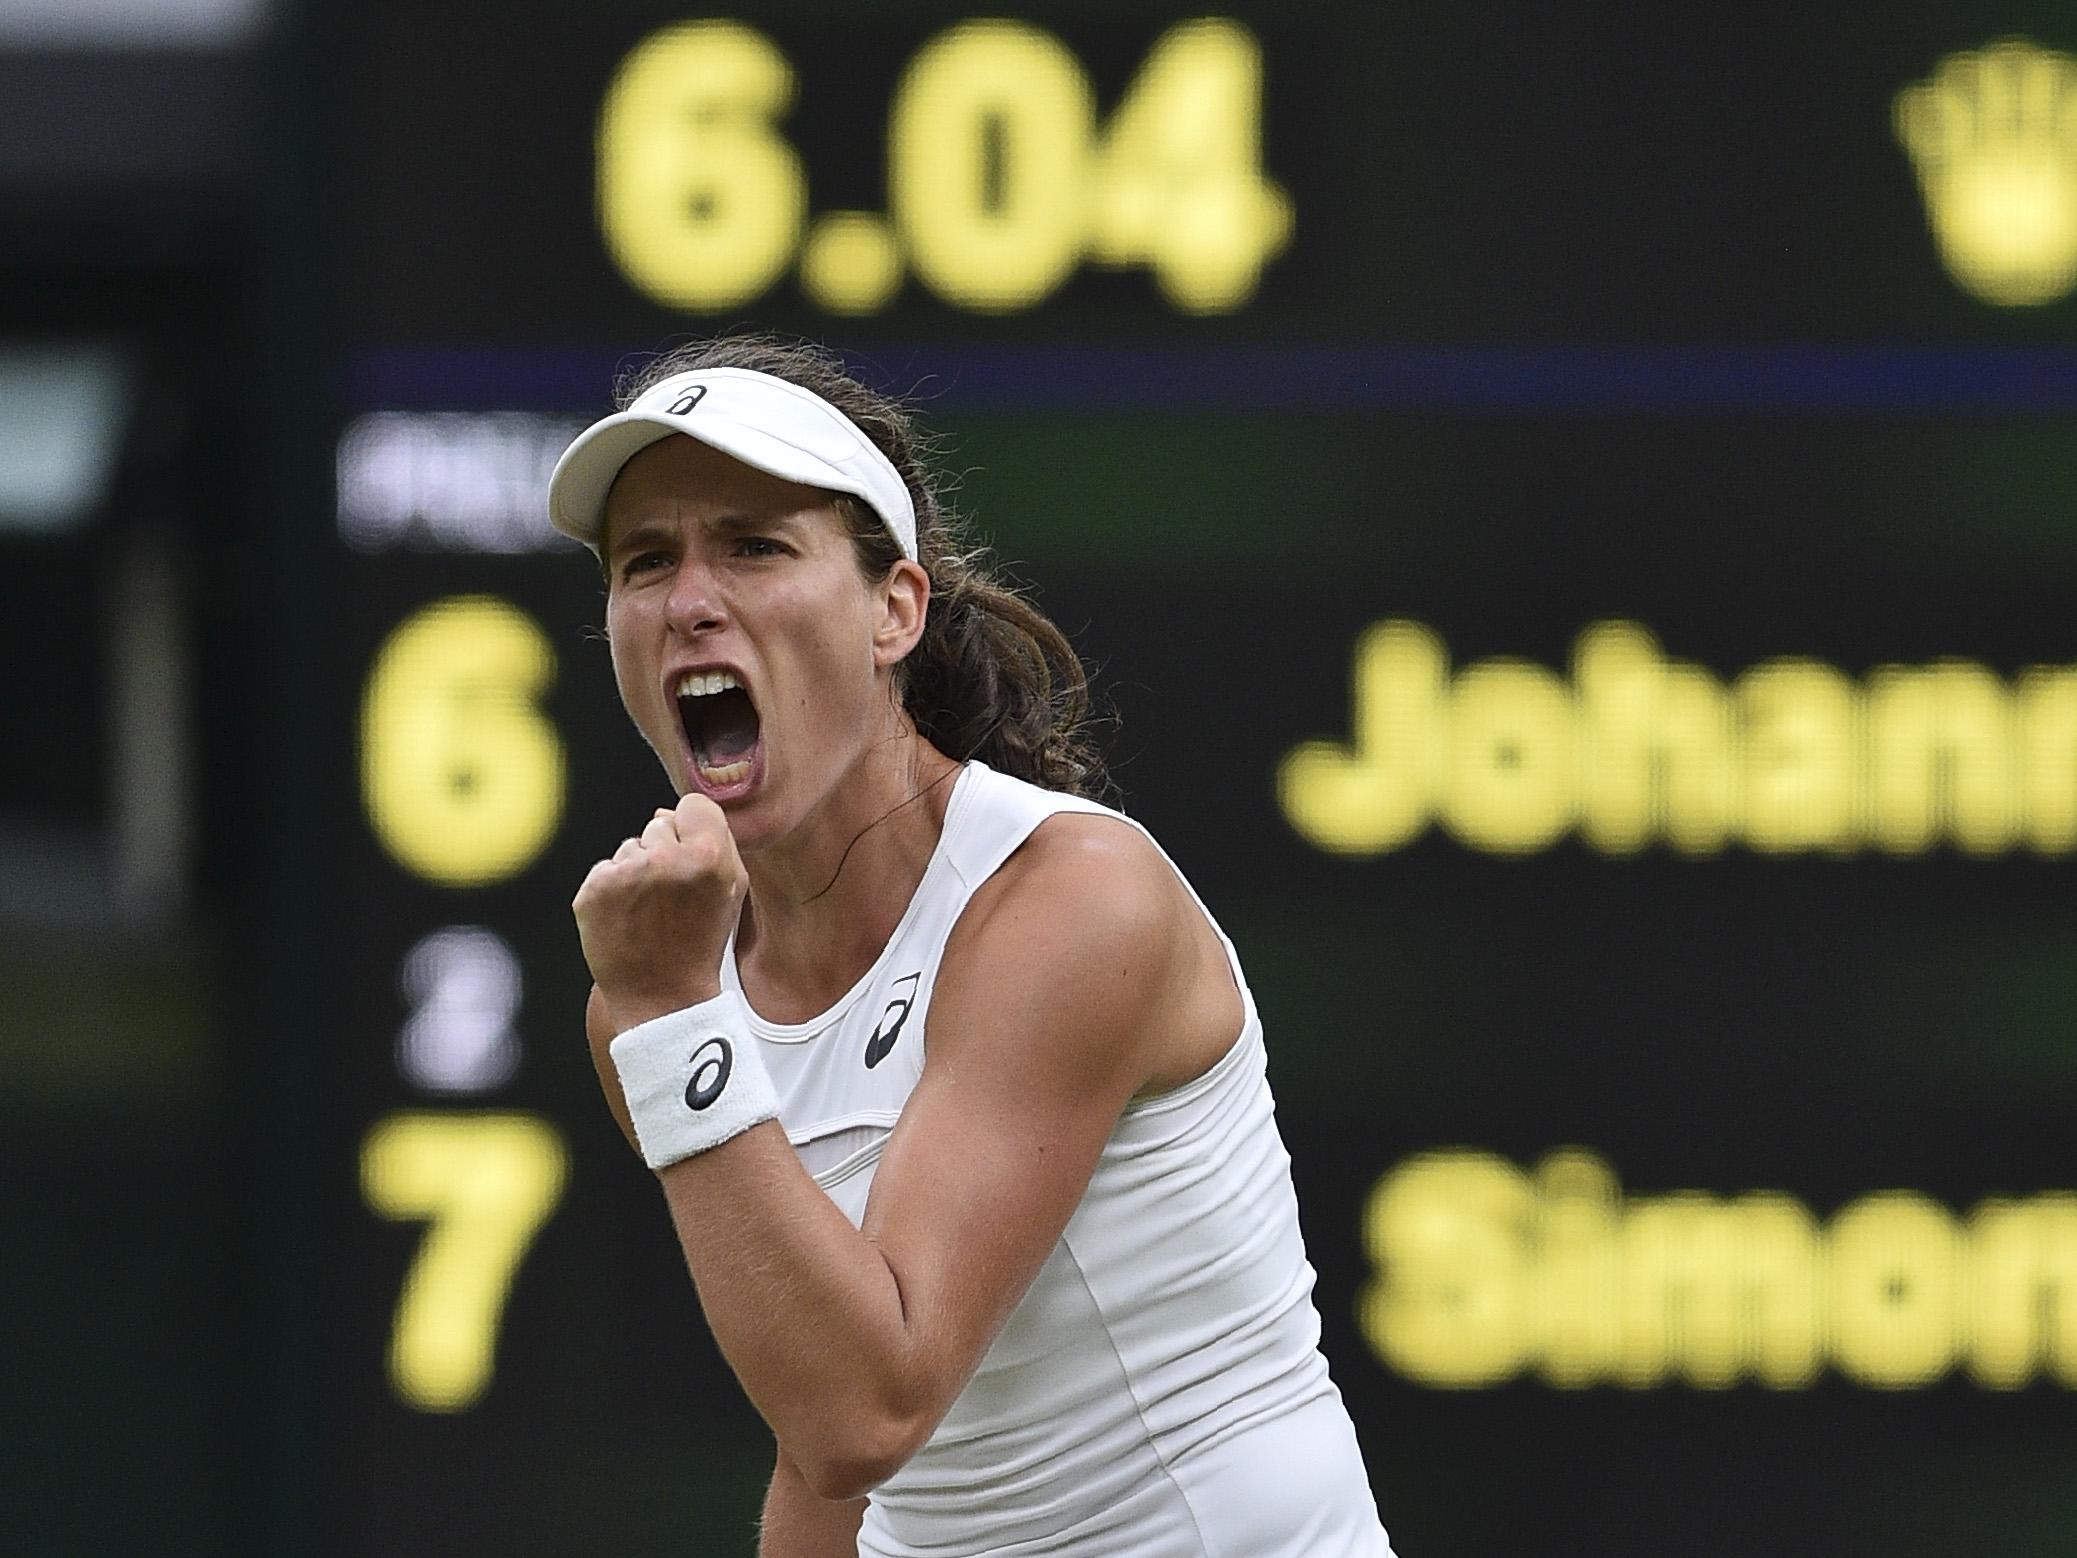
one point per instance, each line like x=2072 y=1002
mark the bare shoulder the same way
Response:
x=1099 y=881
x=1088 y=921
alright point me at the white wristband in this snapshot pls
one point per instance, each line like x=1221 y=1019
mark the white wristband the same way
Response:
x=693 y=1079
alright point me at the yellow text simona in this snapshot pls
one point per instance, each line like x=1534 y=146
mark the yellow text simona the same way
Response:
x=1635 y=748
x=1485 y=1273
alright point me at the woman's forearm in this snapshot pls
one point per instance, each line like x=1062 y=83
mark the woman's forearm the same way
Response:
x=800 y=1524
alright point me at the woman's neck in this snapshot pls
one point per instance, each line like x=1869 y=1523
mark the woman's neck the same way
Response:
x=823 y=903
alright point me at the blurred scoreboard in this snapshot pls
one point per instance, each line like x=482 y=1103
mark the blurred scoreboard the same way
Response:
x=1575 y=508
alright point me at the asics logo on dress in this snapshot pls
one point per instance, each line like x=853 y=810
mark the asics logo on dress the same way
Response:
x=885 y=1032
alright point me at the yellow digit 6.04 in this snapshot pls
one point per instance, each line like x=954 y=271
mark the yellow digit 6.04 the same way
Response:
x=700 y=199
x=484 y=1184
x=461 y=773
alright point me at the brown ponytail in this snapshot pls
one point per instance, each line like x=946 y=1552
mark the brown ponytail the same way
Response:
x=992 y=676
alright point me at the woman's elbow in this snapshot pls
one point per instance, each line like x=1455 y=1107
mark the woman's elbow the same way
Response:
x=850 y=1460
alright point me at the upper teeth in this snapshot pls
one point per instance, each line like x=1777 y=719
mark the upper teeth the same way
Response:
x=697 y=684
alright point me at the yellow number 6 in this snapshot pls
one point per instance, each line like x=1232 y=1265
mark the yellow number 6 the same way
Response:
x=700 y=199
x=484 y=1183
x=461 y=772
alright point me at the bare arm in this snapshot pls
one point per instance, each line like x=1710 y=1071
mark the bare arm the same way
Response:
x=1070 y=984
x=799 y=1524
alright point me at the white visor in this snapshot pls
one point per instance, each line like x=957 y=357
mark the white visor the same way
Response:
x=765 y=422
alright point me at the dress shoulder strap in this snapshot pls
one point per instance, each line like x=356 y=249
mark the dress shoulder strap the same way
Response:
x=1001 y=814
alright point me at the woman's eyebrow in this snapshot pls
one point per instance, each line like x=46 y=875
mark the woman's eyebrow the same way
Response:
x=650 y=532
x=738 y=524
x=643 y=532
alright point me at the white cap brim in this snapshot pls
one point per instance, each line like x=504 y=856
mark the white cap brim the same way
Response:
x=766 y=422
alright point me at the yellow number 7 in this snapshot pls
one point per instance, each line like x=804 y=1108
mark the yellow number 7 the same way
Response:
x=484 y=1183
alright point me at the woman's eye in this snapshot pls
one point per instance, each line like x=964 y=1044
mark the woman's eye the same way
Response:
x=759 y=546
x=644 y=562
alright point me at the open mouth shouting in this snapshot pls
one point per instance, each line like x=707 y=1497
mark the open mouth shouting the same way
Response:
x=721 y=733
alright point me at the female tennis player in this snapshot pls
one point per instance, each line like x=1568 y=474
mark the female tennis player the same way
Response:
x=955 y=1091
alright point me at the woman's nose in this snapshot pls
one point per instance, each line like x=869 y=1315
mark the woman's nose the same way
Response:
x=694 y=605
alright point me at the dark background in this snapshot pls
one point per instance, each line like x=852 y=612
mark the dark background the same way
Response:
x=1589 y=311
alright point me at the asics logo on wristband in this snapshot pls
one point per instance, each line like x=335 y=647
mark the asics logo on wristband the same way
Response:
x=693 y=1079
x=883 y=1038
x=711 y=1064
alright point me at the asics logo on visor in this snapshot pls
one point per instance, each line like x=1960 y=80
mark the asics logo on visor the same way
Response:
x=687 y=401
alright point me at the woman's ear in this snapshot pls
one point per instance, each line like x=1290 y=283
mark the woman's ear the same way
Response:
x=905 y=598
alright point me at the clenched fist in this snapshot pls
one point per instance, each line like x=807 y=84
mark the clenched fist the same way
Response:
x=655 y=918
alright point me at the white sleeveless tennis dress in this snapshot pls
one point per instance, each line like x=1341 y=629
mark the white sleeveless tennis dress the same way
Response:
x=1159 y=1392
